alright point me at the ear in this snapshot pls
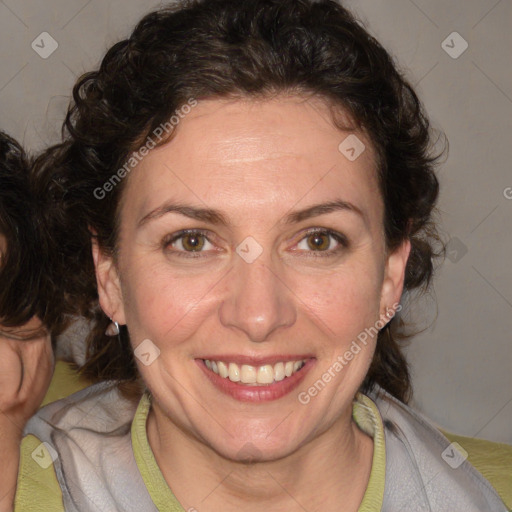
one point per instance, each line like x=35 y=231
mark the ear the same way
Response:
x=394 y=276
x=109 y=284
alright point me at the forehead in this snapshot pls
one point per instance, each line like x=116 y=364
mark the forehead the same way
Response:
x=258 y=154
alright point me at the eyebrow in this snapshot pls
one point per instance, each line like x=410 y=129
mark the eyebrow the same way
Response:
x=216 y=217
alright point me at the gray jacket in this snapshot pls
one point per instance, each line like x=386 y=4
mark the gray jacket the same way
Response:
x=96 y=469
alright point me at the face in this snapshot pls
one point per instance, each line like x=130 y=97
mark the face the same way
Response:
x=252 y=255
x=34 y=324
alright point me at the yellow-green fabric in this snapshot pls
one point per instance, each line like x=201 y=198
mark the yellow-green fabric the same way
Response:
x=37 y=485
x=65 y=382
x=365 y=414
x=493 y=460
x=367 y=417
x=37 y=488
x=158 y=489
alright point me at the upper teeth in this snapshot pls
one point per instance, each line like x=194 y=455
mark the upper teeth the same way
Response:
x=247 y=374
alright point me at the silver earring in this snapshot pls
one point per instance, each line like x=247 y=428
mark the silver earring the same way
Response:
x=112 y=329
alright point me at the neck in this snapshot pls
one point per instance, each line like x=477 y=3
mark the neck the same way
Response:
x=330 y=471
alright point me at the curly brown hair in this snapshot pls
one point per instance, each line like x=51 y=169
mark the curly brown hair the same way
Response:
x=20 y=269
x=25 y=277
x=233 y=48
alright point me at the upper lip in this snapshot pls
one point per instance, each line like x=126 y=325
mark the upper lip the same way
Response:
x=257 y=360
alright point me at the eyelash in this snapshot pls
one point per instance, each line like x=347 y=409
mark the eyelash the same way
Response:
x=341 y=239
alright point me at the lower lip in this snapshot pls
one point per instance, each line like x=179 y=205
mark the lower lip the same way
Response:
x=264 y=393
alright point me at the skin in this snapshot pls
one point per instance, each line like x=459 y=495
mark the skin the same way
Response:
x=256 y=161
x=26 y=369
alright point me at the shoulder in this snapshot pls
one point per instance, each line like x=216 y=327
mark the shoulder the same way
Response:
x=37 y=488
x=492 y=460
x=416 y=449
x=77 y=439
x=99 y=408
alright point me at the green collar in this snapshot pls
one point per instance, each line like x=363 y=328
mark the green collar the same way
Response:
x=365 y=414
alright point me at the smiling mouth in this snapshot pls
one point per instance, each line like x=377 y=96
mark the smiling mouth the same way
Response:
x=248 y=375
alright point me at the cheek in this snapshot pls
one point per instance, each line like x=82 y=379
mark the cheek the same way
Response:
x=163 y=305
x=346 y=301
x=169 y=306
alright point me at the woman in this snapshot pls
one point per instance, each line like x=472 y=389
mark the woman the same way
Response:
x=246 y=190
x=26 y=358
x=32 y=314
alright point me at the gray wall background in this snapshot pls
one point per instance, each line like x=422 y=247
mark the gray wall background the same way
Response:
x=462 y=361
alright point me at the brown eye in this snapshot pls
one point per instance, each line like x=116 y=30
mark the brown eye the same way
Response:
x=323 y=241
x=193 y=242
x=184 y=243
x=319 y=241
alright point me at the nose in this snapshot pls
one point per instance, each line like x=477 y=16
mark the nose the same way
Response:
x=259 y=302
